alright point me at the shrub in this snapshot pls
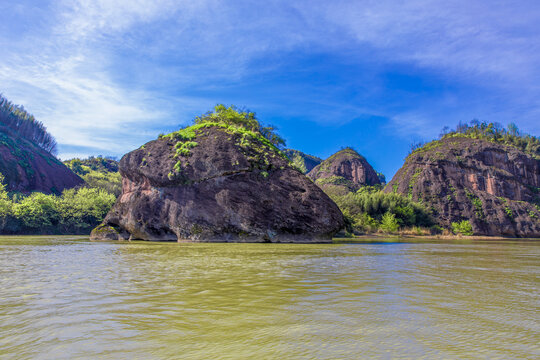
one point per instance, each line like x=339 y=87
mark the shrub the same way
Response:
x=495 y=132
x=98 y=172
x=83 y=209
x=368 y=205
x=389 y=223
x=37 y=212
x=463 y=227
x=239 y=118
x=76 y=211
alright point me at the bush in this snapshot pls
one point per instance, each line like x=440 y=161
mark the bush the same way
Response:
x=83 y=209
x=76 y=211
x=233 y=116
x=463 y=227
x=367 y=207
x=109 y=182
x=37 y=212
x=389 y=223
x=496 y=133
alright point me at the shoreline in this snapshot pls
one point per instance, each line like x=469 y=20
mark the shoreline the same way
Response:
x=364 y=238
x=397 y=238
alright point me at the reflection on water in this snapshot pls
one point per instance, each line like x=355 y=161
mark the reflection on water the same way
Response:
x=64 y=299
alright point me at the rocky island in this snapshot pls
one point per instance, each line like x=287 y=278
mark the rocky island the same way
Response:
x=219 y=180
x=476 y=179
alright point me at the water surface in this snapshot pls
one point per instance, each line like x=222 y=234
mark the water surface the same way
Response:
x=68 y=298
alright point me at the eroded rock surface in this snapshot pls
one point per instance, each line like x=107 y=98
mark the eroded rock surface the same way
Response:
x=222 y=186
x=344 y=171
x=26 y=167
x=493 y=186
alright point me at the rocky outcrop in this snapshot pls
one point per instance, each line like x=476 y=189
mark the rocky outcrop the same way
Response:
x=214 y=184
x=493 y=186
x=344 y=171
x=304 y=162
x=26 y=167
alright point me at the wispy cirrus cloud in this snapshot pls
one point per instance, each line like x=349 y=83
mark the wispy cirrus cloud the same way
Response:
x=108 y=75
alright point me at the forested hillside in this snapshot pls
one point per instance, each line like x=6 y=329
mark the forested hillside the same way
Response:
x=16 y=118
x=27 y=159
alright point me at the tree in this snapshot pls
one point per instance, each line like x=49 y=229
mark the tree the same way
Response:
x=389 y=222
x=16 y=118
x=513 y=129
x=240 y=118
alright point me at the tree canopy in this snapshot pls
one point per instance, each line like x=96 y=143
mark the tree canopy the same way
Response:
x=25 y=125
x=240 y=118
x=497 y=133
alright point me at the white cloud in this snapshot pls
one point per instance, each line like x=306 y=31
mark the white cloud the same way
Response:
x=102 y=73
x=495 y=37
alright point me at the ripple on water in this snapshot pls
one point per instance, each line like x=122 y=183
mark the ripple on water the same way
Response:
x=67 y=299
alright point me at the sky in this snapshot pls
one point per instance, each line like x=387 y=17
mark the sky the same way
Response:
x=107 y=76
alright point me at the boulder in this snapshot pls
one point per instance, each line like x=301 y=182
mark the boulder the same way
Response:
x=212 y=183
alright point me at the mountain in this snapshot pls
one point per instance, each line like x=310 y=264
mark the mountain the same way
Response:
x=464 y=177
x=343 y=172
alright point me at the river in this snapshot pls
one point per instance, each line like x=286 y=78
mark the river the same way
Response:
x=68 y=298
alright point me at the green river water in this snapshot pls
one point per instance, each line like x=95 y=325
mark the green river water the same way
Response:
x=68 y=298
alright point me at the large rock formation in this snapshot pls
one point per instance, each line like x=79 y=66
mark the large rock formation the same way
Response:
x=26 y=167
x=344 y=171
x=217 y=183
x=493 y=186
x=304 y=162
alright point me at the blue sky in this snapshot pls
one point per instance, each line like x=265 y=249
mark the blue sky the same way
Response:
x=106 y=76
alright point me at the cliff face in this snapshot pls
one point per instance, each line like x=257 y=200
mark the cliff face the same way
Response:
x=344 y=171
x=302 y=161
x=26 y=167
x=214 y=183
x=493 y=186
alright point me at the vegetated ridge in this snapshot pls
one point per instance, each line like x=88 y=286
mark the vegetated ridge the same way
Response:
x=27 y=159
x=481 y=179
x=304 y=162
x=343 y=172
x=221 y=179
x=98 y=172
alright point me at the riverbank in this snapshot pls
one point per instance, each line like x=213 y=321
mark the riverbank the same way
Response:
x=418 y=238
x=367 y=238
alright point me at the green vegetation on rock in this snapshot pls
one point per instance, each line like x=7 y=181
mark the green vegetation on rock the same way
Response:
x=493 y=132
x=302 y=161
x=242 y=125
